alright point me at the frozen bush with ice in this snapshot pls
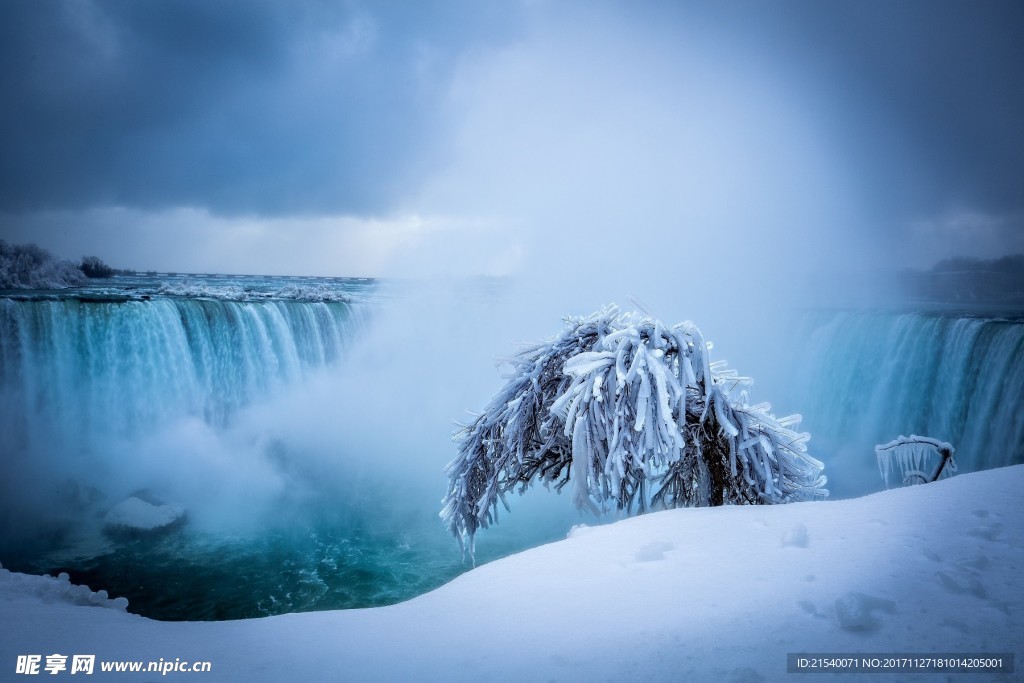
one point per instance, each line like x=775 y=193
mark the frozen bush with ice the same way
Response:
x=636 y=415
x=917 y=459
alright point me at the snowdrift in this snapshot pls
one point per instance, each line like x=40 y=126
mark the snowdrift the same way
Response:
x=717 y=594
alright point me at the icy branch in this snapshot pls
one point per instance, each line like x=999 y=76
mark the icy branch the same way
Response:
x=919 y=459
x=632 y=413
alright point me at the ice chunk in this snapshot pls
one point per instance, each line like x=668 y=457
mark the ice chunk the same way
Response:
x=135 y=515
x=854 y=611
x=652 y=552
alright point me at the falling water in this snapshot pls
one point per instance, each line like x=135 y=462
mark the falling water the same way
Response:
x=119 y=368
x=259 y=414
x=867 y=377
x=223 y=394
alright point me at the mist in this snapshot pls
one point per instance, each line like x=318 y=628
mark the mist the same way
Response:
x=595 y=161
x=662 y=169
x=361 y=442
x=688 y=164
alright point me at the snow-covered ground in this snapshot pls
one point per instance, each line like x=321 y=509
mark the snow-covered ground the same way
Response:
x=711 y=594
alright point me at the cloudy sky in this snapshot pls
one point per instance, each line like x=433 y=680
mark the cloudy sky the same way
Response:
x=454 y=138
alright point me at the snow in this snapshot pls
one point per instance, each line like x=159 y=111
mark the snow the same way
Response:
x=797 y=536
x=685 y=594
x=854 y=611
x=50 y=590
x=136 y=515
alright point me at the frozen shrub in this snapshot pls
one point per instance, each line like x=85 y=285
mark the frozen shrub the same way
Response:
x=635 y=415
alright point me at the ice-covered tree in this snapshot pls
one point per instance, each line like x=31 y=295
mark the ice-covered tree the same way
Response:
x=28 y=266
x=917 y=459
x=636 y=416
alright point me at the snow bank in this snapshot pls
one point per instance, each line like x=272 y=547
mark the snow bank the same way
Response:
x=690 y=594
x=53 y=590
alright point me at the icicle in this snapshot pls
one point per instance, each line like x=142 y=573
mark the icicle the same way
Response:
x=620 y=365
x=639 y=359
x=919 y=459
x=588 y=362
x=789 y=420
x=723 y=419
x=580 y=469
x=643 y=397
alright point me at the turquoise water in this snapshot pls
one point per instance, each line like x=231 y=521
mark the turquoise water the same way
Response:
x=201 y=390
x=867 y=377
x=189 y=575
x=254 y=402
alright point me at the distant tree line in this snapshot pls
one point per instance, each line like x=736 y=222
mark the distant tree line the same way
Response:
x=964 y=279
x=93 y=266
x=29 y=266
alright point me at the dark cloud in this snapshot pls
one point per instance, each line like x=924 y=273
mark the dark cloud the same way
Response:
x=271 y=107
x=340 y=107
x=924 y=97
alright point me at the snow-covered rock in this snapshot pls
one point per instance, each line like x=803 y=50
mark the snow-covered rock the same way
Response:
x=136 y=516
x=50 y=591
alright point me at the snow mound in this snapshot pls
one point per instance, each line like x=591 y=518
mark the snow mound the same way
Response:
x=854 y=611
x=135 y=515
x=59 y=590
x=652 y=552
x=694 y=594
x=578 y=530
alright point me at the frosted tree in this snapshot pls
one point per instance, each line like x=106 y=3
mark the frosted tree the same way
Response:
x=635 y=415
x=28 y=266
x=917 y=459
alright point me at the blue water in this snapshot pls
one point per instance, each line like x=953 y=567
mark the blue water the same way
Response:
x=246 y=399
x=199 y=390
x=867 y=377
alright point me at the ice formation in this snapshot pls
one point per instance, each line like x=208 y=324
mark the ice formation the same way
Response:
x=919 y=459
x=134 y=515
x=634 y=413
x=58 y=590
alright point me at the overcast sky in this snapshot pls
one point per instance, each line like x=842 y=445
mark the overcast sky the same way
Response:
x=413 y=138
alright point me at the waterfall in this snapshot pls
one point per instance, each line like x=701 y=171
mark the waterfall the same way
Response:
x=95 y=394
x=867 y=377
x=119 y=368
